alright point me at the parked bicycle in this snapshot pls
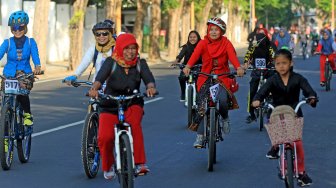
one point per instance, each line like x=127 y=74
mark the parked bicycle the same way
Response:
x=262 y=111
x=11 y=121
x=286 y=137
x=190 y=91
x=213 y=132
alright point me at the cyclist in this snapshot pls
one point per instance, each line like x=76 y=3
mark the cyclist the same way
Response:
x=19 y=49
x=105 y=43
x=185 y=54
x=285 y=87
x=126 y=78
x=325 y=48
x=258 y=56
x=216 y=50
x=283 y=39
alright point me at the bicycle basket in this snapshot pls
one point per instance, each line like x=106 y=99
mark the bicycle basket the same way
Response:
x=284 y=126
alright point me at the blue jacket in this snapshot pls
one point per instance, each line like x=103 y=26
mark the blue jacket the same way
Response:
x=13 y=63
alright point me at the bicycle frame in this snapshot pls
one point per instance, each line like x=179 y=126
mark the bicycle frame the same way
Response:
x=190 y=82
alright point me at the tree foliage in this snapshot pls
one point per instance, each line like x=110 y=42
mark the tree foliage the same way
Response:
x=324 y=7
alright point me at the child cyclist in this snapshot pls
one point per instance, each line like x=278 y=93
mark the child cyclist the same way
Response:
x=285 y=87
x=325 y=48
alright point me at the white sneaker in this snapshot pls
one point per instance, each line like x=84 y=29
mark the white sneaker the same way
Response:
x=225 y=124
x=199 y=143
x=109 y=175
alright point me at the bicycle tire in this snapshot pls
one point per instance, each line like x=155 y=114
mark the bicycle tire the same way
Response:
x=212 y=139
x=6 y=155
x=261 y=119
x=289 y=178
x=126 y=175
x=24 y=140
x=190 y=104
x=90 y=150
x=327 y=76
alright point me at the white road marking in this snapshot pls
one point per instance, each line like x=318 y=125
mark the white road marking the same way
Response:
x=80 y=122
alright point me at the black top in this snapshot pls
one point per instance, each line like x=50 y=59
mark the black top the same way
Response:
x=286 y=95
x=186 y=52
x=120 y=83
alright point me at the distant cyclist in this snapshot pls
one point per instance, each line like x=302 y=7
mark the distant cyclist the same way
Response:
x=325 y=48
x=103 y=48
x=258 y=56
x=283 y=39
x=19 y=49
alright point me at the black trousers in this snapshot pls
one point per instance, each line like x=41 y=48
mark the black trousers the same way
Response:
x=25 y=102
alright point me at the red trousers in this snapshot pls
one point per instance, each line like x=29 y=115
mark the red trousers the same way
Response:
x=322 y=65
x=300 y=156
x=133 y=116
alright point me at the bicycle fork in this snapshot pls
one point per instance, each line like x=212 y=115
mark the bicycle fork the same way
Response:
x=186 y=93
x=117 y=134
x=283 y=160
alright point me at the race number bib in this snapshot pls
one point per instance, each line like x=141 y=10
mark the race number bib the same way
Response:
x=214 y=91
x=260 y=63
x=11 y=86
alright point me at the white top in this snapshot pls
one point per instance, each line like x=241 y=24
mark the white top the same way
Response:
x=88 y=58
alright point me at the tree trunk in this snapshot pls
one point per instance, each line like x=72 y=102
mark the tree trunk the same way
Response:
x=186 y=28
x=40 y=28
x=139 y=21
x=173 y=35
x=113 y=12
x=230 y=28
x=201 y=25
x=154 y=48
x=76 y=33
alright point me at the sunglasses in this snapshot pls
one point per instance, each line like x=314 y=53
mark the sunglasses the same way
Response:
x=101 y=34
x=18 y=28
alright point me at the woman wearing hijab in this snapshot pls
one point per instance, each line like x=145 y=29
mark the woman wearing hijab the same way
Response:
x=122 y=77
x=283 y=39
x=216 y=51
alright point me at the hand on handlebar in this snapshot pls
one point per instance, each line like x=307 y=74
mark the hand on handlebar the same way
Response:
x=312 y=101
x=240 y=72
x=151 y=91
x=256 y=103
x=93 y=93
x=186 y=70
x=37 y=70
x=70 y=79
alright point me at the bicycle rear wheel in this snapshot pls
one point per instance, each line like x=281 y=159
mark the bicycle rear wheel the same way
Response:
x=90 y=150
x=126 y=175
x=261 y=119
x=6 y=139
x=212 y=139
x=24 y=140
x=190 y=104
x=289 y=179
x=327 y=75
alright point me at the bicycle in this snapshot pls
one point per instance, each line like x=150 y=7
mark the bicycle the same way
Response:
x=190 y=92
x=327 y=72
x=260 y=112
x=287 y=156
x=305 y=54
x=89 y=148
x=212 y=131
x=12 y=127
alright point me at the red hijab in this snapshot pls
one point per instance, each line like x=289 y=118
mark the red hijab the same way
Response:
x=122 y=42
x=218 y=46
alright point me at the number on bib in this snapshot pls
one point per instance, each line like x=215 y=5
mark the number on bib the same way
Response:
x=214 y=91
x=260 y=63
x=11 y=86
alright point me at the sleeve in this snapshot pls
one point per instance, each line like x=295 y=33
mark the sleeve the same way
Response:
x=182 y=53
x=307 y=90
x=276 y=43
x=4 y=48
x=232 y=55
x=86 y=61
x=271 y=54
x=196 y=54
x=105 y=70
x=263 y=92
x=34 y=52
x=319 y=47
x=334 y=46
x=146 y=74
x=248 y=55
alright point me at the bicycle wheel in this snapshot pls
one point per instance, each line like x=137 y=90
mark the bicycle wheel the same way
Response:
x=24 y=140
x=212 y=139
x=190 y=104
x=261 y=119
x=6 y=140
x=327 y=75
x=126 y=175
x=90 y=150
x=289 y=179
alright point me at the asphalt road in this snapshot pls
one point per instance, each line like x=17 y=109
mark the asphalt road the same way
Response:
x=56 y=162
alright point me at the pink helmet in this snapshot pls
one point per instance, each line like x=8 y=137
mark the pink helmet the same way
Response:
x=218 y=22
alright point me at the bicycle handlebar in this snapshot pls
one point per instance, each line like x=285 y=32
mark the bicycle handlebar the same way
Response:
x=253 y=68
x=182 y=66
x=78 y=83
x=297 y=107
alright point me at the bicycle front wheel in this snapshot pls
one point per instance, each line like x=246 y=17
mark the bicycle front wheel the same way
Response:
x=24 y=140
x=90 y=150
x=327 y=75
x=289 y=179
x=212 y=139
x=261 y=119
x=126 y=175
x=6 y=140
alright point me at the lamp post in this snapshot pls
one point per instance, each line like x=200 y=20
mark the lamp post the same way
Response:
x=333 y=14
